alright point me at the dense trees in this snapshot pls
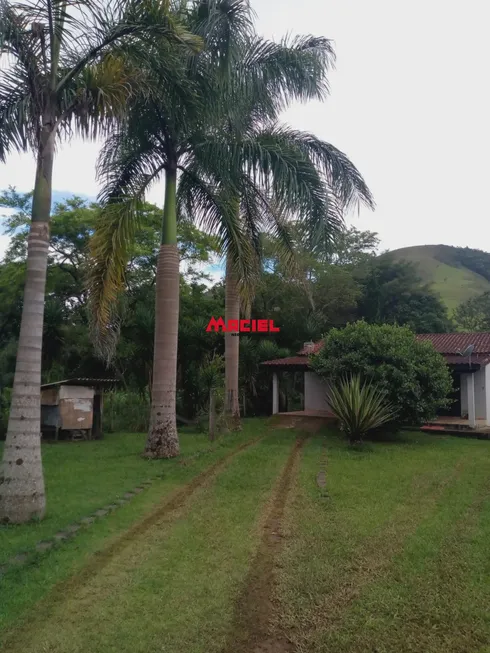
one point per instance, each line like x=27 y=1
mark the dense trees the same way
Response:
x=304 y=309
x=392 y=292
x=474 y=314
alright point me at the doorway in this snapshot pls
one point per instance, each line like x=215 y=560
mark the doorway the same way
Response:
x=454 y=409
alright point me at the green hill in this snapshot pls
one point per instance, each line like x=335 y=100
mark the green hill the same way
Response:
x=456 y=273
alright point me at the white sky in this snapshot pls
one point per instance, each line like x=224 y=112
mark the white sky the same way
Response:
x=410 y=106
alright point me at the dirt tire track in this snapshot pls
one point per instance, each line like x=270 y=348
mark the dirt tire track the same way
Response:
x=254 y=608
x=321 y=479
x=101 y=559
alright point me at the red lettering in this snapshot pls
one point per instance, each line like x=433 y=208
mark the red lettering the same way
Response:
x=216 y=325
x=244 y=326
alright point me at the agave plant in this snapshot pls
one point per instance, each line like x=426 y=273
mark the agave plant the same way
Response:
x=359 y=406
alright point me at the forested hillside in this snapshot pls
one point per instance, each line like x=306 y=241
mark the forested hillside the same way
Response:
x=456 y=273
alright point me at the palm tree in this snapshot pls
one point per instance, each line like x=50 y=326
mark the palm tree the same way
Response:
x=278 y=171
x=164 y=136
x=67 y=66
x=234 y=182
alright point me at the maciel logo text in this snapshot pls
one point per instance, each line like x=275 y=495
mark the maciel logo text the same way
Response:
x=241 y=326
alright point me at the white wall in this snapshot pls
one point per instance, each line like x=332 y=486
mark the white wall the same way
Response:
x=315 y=392
x=482 y=394
x=487 y=392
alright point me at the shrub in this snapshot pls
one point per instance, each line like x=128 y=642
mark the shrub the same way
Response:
x=412 y=374
x=126 y=412
x=360 y=407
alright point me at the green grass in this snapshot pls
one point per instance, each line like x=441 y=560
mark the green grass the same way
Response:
x=82 y=477
x=454 y=283
x=174 y=585
x=87 y=478
x=392 y=555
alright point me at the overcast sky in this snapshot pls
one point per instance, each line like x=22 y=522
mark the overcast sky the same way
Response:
x=409 y=105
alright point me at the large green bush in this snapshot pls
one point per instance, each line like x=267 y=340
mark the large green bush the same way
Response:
x=413 y=376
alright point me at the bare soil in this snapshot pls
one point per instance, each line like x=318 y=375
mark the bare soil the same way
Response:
x=252 y=632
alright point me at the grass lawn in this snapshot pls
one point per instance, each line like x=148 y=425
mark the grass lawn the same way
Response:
x=82 y=477
x=391 y=554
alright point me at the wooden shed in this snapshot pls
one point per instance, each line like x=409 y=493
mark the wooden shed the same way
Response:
x=73 y=408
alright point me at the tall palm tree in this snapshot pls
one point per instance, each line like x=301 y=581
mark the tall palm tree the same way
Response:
x=65 y=66
x=164 y=136
x=278 y=171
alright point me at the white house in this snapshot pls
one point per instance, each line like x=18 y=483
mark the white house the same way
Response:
x=471 y=376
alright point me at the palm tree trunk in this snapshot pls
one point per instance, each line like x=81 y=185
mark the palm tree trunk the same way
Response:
x=232 y=349
x=163 y=439
x=22 y=496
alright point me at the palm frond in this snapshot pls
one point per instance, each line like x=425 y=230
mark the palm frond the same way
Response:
x=344 y=179
x=15 y=116
x=214 y=210
x=107 y=23
x=285 y=172
x=224 y=26
x=98 y=98
x=128 y=164
x=296 y=69
x=109 y=250
x=18 y=39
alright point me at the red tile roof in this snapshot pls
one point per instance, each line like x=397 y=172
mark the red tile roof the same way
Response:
x=448 y=344
x=444 y=343
x=453 y=343
x=292 y=360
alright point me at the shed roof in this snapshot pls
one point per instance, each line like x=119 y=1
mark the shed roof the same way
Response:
x=80 y=381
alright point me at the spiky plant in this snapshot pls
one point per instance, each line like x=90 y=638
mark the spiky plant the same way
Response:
x=359 y=406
